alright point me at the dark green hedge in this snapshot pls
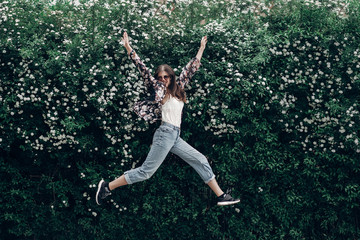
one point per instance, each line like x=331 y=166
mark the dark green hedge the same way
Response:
x=274 y=107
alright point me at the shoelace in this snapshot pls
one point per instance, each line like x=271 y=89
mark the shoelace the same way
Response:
x=106 y=193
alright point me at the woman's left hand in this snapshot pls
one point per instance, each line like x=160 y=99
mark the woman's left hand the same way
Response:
x=203 y=42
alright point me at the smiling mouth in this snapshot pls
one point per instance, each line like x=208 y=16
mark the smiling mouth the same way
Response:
x=164 y=81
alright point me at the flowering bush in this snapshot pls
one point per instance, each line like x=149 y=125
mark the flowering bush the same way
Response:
x=274 y=107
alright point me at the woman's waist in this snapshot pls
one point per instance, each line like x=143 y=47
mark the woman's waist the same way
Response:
x=169 y=125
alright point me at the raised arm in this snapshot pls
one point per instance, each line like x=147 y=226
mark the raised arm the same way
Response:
x=194 y=64
x=202 y=48
x=127 y=43
x=145 y=73
x=149 y=80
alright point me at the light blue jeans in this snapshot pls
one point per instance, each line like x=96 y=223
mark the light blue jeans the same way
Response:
x=166 y=139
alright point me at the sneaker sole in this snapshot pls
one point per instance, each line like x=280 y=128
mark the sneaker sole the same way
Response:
x=98 y=190
x=227 y=203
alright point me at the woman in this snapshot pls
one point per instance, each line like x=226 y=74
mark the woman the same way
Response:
x=166 y=105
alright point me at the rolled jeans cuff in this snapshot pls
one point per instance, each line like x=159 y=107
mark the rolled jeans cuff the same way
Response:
x=127 y=178
x=212 y=178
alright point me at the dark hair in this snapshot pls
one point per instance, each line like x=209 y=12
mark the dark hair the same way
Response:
x=174 y=89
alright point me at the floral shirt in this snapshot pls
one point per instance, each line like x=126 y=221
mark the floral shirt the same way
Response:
x=150 y=109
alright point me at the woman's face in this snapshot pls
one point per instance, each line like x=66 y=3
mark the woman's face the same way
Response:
x=164 y=77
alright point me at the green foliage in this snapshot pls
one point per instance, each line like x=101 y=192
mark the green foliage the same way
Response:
x=274 y=107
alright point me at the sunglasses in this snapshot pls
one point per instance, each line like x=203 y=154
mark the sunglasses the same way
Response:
x=166 y=77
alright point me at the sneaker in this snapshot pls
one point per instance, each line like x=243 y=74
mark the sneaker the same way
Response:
x=102 y=192
x=226 y=199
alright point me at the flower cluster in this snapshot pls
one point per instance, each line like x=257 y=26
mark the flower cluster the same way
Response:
x=311 y=98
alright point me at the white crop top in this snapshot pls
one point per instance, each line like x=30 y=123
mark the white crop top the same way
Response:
x=171 y=111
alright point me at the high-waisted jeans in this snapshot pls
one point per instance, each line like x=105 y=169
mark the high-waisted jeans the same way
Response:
x=166 y=139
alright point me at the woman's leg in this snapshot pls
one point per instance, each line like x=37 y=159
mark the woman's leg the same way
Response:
x=154 y=159
x=199 y=162
x=163 y=141
x=121 y=181
x=215 y=187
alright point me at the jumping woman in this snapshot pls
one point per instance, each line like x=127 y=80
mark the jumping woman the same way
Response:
x=166 y=106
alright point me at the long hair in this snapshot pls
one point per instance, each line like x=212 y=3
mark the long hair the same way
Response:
x=174 y=89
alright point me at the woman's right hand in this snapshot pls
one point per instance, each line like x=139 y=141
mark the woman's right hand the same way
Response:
x=126 y=42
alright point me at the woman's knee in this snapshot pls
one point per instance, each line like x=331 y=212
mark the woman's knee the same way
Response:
x=201 y=157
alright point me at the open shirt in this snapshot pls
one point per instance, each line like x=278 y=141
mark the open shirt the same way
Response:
x=150 y=109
